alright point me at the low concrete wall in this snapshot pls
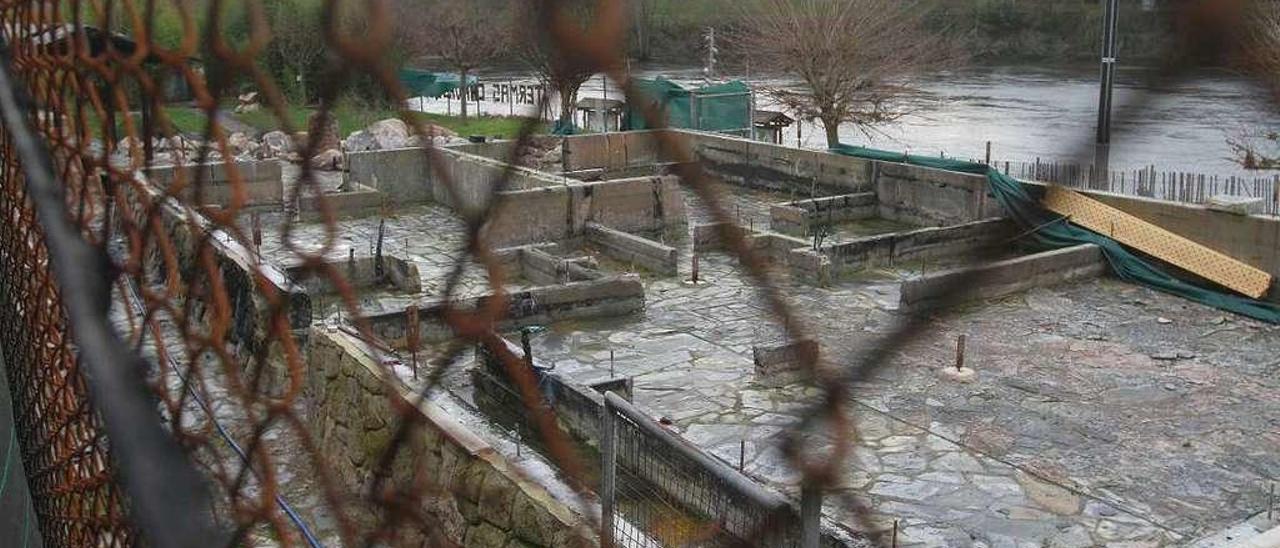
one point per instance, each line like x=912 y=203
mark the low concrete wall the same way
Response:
x=932 y=197
x=775 y=247
x=406 y=176
x=924 y=243
x=617 y=296
x=361 y=273
x=659 y=258
x=576 y=405
x=611 y=152
x=541 y=267
x=801 y=217
x=1004 y=277
x=774 y=167
x=782 y=363
x=562 y=212
x=359 y=202
x=259 y=182
x=476 y=496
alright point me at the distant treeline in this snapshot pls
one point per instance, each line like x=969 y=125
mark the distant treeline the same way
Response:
x=664 y=31
x=989 y=30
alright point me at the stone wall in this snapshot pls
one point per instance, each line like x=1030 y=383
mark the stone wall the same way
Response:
x=256 y=291
x=479 y=499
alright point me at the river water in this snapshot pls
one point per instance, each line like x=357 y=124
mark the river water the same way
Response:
x=1029 y=113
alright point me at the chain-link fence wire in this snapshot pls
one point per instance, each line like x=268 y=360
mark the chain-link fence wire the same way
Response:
x=82 y=230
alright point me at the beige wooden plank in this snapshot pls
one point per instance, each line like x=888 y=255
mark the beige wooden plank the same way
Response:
x=1157 y=242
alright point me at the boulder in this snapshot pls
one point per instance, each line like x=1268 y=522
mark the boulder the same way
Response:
x=276 y=144
x=360 y=141
x=390 y=133
x=240 y=143
x=328 y=160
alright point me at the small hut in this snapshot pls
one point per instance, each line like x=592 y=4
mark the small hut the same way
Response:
x=600 y=115
x=769 y=125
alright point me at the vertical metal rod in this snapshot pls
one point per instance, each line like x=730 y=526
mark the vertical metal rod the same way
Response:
x=610 y=363
x=608 y=473
x=742 y=455
x=895 y=534
x=960 y=351
x=694 y=277
x=257 y=232
x=1109 y=25
x=988 y=162
x=810 y=515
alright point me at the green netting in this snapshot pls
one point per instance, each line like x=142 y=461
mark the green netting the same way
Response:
x=563 y=128
x=719 y=107
x=430 y=84
x=1047 y=230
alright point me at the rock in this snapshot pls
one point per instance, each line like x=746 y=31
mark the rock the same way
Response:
x=961 y=375
x=1163 y=320
x=329 y=160
x=360 y=141
x=275 y=144
x=390 y=133
x=240 y=143
x=1049 y=496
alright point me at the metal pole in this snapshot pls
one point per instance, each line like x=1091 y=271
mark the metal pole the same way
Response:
x=608 y=472
x=810 y=516
x=1108 y=71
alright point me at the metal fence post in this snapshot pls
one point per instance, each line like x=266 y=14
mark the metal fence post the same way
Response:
x=608 y=472
x=810 y=515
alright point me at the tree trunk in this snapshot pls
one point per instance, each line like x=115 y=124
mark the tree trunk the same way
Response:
x=832 y=125
x=567 y=95
x=465 y=91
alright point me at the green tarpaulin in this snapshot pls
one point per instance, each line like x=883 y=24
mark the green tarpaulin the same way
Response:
x=1048 y=231
x=720 y=107
x=430 y=84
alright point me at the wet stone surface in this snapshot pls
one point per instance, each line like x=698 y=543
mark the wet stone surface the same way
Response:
x=1091 y=421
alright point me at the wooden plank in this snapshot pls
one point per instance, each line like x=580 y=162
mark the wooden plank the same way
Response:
x=1157 y=242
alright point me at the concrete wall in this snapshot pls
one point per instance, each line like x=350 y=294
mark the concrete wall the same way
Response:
x=932 y=197
x=359 y=202
x=924 y=243
x=361 y=273
x=562 y=212
x=1003 y=277
x=540 y=267
x=406 y=176
x=801 y=217
x=477 y=496
x=259 y=182
x=629 y=248
x=617 y=296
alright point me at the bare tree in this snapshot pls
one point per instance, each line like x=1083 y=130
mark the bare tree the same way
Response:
x=559 y=71
x=852 y=57
x=464 y=35
x=1254 y=147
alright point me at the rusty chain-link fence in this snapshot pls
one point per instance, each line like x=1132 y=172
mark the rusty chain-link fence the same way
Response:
x=146 y=414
